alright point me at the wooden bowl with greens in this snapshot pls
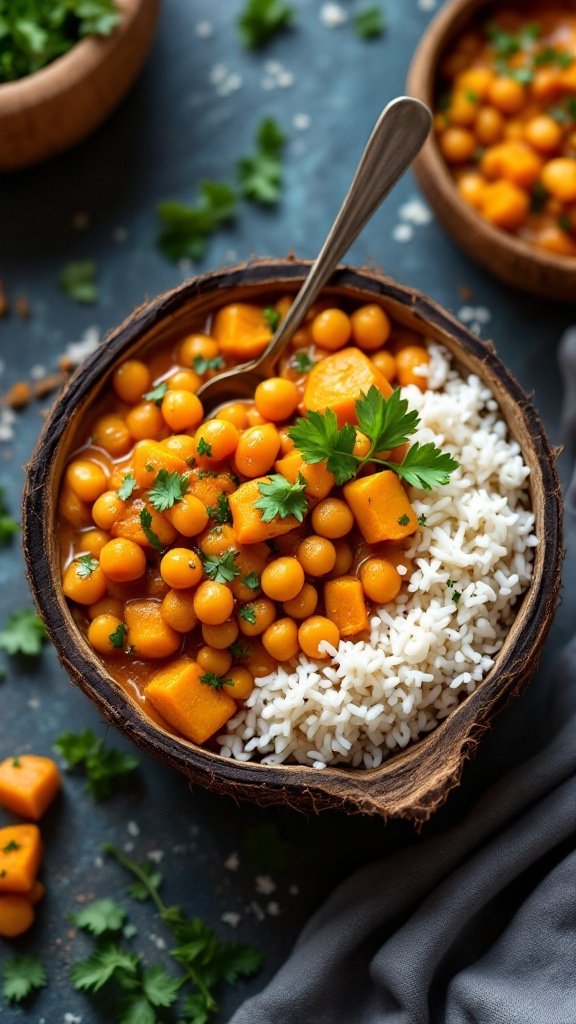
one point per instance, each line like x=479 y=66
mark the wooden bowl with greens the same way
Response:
x=62 y=74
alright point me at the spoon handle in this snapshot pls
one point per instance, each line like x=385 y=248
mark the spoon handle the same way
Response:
x=398 y=135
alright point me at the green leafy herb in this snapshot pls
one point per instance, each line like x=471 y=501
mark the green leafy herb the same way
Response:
x=16 y=763
x=148 y=877
x=456 y=596
x=85 y=565
x=425 y=466
x=151 y=537
x=260 y=20
x=8 y=526
x=100 y=916
x=203 y=448
x=118 y=636
x=167 y=489
x=281 y=499
x=248 y=613
x=157 y=393
x=471 y=96
x=238 y=650
x=260 y=175
x=272 y=317
x=186 y=229
x=302 y=362
x=386 y=422
x=251 y=581
x=539 y=197
x=11 y=846
x=403 y=520
x=103 y=765
x=201 y=365
x=105 y=963
x=564 y=223
x=215 y=681
x=127 y=487
x=221 y=568
x=24 y=633
x=370 y=23
x=550 y=55
x=565 y=113
x=22 y=975
x=318 y=437
x=78 y=281
x=422 y=521
x=220 y=512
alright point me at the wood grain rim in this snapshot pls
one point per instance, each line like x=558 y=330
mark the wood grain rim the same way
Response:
x=413 y=783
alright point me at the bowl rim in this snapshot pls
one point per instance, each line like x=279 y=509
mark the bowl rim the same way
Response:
x=335 y=786
x=421 y=82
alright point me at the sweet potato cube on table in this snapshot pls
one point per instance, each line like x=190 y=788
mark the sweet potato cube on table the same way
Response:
x=154 y=455
x=241 y=331
x=381 y=507
x=319 y=480
x=248 y=523
x=28 y=785
x=338 y=380
x=194 y=708
x=20 y=856
x=345 y=606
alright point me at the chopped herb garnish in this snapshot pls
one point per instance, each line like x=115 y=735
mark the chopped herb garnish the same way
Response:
x=146 y=524
x=203 y=473
x=302 y=362
x=248 y=613
x=422 y=521
x=550 y=55
x=157 y=393
x=281 y=499
x=403 y=520
x=370 y=23
x=238 y=650
x=215 y=681
x=167 y=489
x=22 y=975
x=203 y=448
x=127 y=487
x=78 y=281
x=252 y=581
x=16 y=763
x=220 y=512
x=186 y=229
x=85 y=565
x=24 y=633
x=200 y=365
x=119 y=635
x=221 y=568
x=103 y=765
x=449 y=583
x=456 y=596
x=260 y=175
x=272 y=317
x=260 y=20
x=11 y=847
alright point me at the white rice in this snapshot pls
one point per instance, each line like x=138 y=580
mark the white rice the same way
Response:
x=425 y=651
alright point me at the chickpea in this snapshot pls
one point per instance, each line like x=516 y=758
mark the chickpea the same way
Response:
x=304 y=604
x=99 y=632
x=106 y=606
x=213 y=603
x=408 y=361
x=344 y=559
x=331 y=329
x=122 y=560
x=514 y=161
x=559 y=178
x=463 y=109
x=476 y=80
x=181 y=568
x=87 y=479
x=107 y=509
x=177 y=610
x=181 y=445
x=182 y=410
x=370 y=327
x=386 y=363
x=112 y=434
x=547 y=84
x=457 y=145
x=145 y=422
x=197 y=345
x=221 y=636
x=276 y=399
x=380 y=580
x=257 y=450
x=314 y=631
x=281 y=639
x=131 y=379
x=189 y=516
x=471 y=187
x=507 y=95
x=184 y=380
x=332 y=518
x=554 y=239
x=543 y=133
x=220 y=439
x=489 y=126
x=263 y=610
x=82 y=588
x=505 y=205
x=242 y=683
x=255 y=418
x=301 y=338
x=236 y=413
x=93 y=541
x=282 y=579
x=316 y=555
x=213 y=660
x=258 y=662
x=71 y=508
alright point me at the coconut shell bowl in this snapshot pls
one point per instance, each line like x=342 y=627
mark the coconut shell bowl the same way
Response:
x=506 y=255
x=412 y=783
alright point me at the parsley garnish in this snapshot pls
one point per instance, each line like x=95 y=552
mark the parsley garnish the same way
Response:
x=215 y=681
x=85 y=565
x=167 y=489
x=203 y=448
x=78 y=281
x=151 y=537
x=456 y=596
x=185 y=229
x=8 y=526
x=549 y=55
x=221 y=568
x=11 y=846
x=24 y=633
x=127 y=487
x=251 y=581
x=387 y=423
x=238 y=650
x=281 y=499
x=262 y=19
x=271 y=317
x=260 y=175
x=22 y=975
x=16 y=763
x=220 y=512
x=203 y=473
x=200 y=365
x=248 y=613
x=369 y=23
x=422 y=521
x=100 y=916
x=157 y=393
x=118 y=637
x=403 y=520
x=302 y=362
x=102 y=764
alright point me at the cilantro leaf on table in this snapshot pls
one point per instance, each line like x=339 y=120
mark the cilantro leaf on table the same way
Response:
x=220 y=512
x=151 y=537
x=127 y=487
x=425 y=466
x=385 y=421
x=21 y=976
x=370 y=23
x=260 y=175
x=23 y=633
x=105 y=963
x=78 y=281
x=8 y=526
x=260 y=20
x=281 y=499
x=221 y=568
x=318 y=437
x=167 y=489
x=138 y=890
x=103 y=765
x=186 y=229
x=100 y=916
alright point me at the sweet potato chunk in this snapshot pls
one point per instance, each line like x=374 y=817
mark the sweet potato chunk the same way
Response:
x=150 y=457
x=381 y=507
x=209 y=486
x=319 y=480
x=129 y=525
x=194 y=708
x=344 y=600
x=337 y=381
x=148 y=634
x=241 y=331
x=28 y=785
x=20 y=856
x=248 y=524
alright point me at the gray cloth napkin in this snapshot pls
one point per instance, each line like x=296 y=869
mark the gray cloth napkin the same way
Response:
x=474 y=926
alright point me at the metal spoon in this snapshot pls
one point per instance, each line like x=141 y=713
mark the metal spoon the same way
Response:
x=398 y=135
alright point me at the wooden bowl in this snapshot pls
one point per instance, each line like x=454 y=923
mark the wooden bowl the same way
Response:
x=412 y=783
x=508 y=257
x=54 y=108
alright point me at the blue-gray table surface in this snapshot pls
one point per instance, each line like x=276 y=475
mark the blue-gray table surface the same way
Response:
x=173 y=130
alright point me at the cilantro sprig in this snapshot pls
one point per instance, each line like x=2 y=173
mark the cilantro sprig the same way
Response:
x=221 y=568
x=387 y=423
x=21 y=976
x=103 y=765
x=78 y=281
x=157 y=393
x=260 y=20
x=167 y=489
x=127 y=487
x=152 y=537
x=260 y=175
x=215 y=681
x=23 y=633
x=220 y=512
x=185 y=229
x=281 y=499
x=85 y=565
